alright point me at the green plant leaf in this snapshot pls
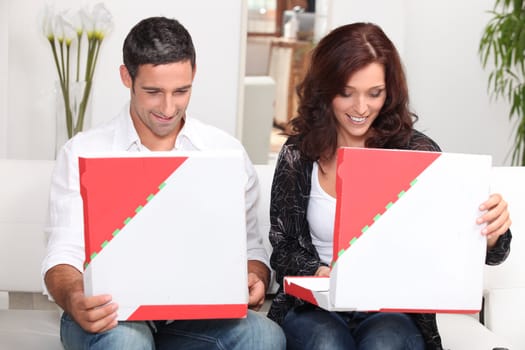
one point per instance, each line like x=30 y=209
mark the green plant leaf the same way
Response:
x=502 y=44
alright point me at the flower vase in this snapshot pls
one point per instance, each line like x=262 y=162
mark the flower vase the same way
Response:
x=73 y=111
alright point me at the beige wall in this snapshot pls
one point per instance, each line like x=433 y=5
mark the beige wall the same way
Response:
x=27 y=115
x=438 y=43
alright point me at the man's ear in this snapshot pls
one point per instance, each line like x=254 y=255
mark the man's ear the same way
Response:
x=125 y=77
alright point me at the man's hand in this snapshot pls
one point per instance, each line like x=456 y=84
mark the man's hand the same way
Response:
x=258 y=280
x=256 y=292
x=94 y=314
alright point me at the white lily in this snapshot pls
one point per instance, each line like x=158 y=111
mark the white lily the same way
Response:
x=103 y=21
x=87 y=21
x=47 y=22
x=75 y=20
x=58 y=27
x=66 y=28
x=63 y=30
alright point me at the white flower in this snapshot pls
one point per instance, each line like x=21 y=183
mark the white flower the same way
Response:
x=47 y=20
x=97 y=22
x=65 y=31
x=61 y=30
x=75 y=20
x=87 y=21
x=103 y=21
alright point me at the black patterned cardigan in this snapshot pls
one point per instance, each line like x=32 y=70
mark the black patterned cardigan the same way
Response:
x=293 y=252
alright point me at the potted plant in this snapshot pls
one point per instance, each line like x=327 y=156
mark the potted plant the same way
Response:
x=502 y=45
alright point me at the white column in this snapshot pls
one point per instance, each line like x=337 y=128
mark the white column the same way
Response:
x=3 y=77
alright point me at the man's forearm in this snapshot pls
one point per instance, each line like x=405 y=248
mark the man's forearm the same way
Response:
x=62 y=281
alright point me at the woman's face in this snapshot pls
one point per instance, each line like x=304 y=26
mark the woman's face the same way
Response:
x=358 y=106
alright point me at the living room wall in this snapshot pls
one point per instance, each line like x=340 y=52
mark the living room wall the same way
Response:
x=27 y=72
x=438 y=43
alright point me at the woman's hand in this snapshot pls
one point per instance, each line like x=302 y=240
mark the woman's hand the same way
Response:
x=322 y=271
x=496 y=217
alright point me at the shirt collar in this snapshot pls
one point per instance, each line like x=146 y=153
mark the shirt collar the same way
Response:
x=126 y=136
x=189 y=137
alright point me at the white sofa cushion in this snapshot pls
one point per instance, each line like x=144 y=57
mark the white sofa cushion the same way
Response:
x=24 y=185
x=505 y=314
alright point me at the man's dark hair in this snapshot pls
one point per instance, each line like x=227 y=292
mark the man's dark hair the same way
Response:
x=157 y=40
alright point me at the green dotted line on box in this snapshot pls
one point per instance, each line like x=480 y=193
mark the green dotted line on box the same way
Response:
x=378 y=215
x=375 y=219
x=125 y=222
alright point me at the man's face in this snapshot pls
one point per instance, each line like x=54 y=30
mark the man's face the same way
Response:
x=159 y=97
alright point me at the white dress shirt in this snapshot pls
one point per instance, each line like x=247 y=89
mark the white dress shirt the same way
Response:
x=65 y=230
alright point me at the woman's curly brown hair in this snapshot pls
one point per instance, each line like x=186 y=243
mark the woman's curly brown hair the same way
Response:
x=336 y=57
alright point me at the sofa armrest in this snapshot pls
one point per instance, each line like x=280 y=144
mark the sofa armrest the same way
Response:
x=465 y=332
x=504 y=314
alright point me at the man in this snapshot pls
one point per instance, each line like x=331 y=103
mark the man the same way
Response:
x=159 y=67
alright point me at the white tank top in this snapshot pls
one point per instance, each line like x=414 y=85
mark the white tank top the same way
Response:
x=321 y=218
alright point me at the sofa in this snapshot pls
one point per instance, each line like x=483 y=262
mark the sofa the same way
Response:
x=24 y=186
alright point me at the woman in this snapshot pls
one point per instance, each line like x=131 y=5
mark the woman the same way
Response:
x=354 y=94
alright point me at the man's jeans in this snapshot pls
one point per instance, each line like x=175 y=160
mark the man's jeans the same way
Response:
x=255 y=332
x=312 y=328
x=127 y=335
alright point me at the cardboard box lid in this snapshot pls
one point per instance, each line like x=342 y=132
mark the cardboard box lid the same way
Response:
x=166 y=233
x=405 y=237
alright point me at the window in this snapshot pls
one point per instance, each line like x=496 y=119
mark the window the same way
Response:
x=261 y=17
x=265 y=16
